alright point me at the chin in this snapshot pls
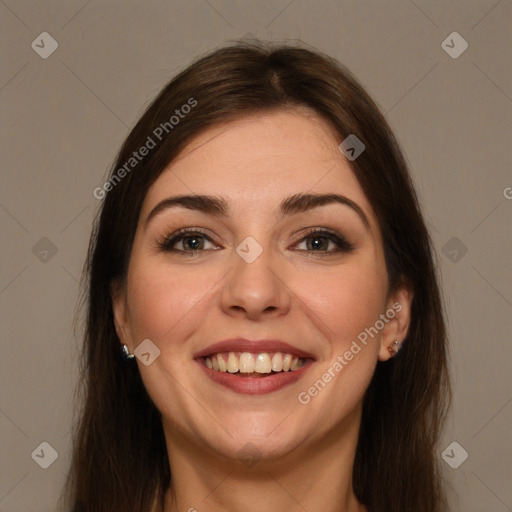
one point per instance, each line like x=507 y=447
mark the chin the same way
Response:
x=264 y=441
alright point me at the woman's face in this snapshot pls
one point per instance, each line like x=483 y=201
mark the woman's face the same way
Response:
x=253 y=271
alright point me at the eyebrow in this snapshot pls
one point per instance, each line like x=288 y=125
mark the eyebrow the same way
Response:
x=217 y=206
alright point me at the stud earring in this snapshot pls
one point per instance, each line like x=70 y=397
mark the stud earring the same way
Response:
x=394 y=347
x=126 y=353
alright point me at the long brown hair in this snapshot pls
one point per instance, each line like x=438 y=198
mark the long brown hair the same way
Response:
x=119 y=460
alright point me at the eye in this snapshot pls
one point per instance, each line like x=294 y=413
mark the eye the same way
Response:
x=323 y=241
x=187 y=240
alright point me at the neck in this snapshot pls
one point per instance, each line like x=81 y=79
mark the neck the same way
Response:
x=313 y=477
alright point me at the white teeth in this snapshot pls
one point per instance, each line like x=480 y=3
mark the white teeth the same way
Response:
x=222 y=363
x=232 y=365
x=246 y=363
x=277 y=362
x=263 y=364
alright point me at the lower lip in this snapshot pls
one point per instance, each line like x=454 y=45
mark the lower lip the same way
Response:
x=254 y=385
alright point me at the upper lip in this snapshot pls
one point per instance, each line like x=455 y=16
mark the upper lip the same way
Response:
x=254 y=346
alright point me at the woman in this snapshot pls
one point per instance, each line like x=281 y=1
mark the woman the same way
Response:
x=264 y=328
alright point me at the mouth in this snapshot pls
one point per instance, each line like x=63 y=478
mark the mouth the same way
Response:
x=254 y=367
x=248 y=364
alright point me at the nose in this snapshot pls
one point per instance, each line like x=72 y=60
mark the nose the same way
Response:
x=256 y=290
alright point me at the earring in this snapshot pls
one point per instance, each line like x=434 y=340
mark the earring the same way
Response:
x=394 y=347
x=126 y=353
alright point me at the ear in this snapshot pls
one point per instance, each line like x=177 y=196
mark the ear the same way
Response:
x=120 y=310
x=398 y=314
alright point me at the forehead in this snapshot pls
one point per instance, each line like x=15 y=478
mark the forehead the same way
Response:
x=259 y=159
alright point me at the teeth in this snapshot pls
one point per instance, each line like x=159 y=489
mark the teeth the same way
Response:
x=222 y=363
x=263 y=364
x=296 y=364
x=232 y=365
x=247 y=362
x=287 y=361
x=277 y=362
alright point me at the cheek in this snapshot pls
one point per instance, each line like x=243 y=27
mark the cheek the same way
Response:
x=160 y=297
x=347 y=300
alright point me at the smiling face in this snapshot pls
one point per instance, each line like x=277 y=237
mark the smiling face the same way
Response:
x=316 y=291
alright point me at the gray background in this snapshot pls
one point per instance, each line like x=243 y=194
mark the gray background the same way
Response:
x=64 y=118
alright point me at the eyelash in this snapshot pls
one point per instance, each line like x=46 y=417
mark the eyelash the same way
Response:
x=167 y=242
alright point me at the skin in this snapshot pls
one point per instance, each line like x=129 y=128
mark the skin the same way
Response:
x=317 y=302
